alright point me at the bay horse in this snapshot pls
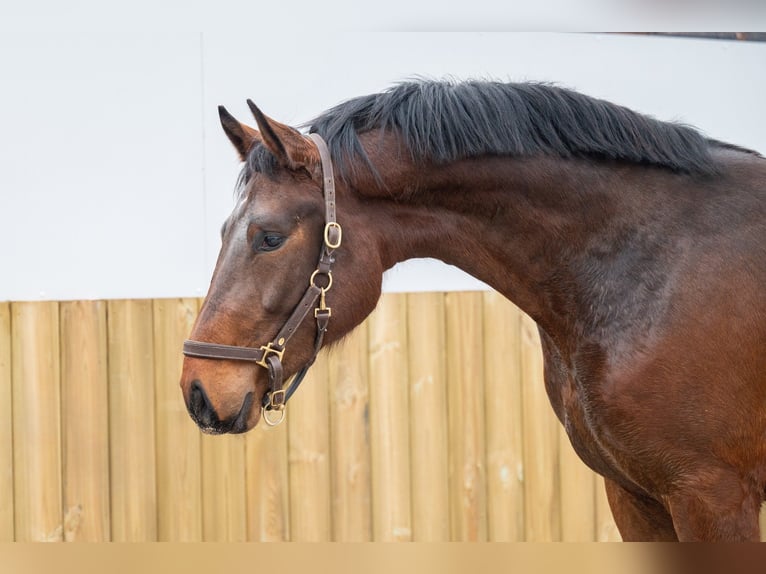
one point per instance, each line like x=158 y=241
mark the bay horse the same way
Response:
x=637 y=246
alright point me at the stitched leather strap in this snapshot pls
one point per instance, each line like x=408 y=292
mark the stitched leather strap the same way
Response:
x=303 y=308
x=323 y=317
x=333 y=232
x=216 y=351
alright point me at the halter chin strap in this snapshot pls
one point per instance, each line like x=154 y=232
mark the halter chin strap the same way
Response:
x=270 y=356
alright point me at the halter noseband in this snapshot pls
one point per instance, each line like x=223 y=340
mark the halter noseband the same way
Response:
x=270 y=355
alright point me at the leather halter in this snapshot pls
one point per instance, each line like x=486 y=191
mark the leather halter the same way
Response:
x=270 y=356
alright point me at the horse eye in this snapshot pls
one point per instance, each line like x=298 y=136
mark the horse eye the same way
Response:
x=268 y=242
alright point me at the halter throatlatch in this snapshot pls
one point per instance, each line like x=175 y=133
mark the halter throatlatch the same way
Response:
x=270 y=355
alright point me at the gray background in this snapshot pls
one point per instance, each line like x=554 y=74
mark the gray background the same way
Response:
x=115 y=175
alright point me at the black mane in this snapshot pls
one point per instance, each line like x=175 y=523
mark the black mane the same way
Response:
x=443 y=121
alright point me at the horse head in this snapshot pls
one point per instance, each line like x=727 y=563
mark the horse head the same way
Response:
x=288 y=279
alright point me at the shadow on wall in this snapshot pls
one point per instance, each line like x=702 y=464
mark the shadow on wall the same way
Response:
x=744 y=36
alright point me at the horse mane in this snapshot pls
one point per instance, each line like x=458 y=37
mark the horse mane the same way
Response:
x=443 y=121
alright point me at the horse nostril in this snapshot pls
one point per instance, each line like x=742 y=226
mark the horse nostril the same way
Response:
x=200 y=408
x=197 y=396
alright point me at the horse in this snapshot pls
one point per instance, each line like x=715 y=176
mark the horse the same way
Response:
x=637 y=246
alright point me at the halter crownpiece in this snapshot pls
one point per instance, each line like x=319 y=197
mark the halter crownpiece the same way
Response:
x=271 y=354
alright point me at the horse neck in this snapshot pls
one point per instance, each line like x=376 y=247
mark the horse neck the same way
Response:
x=521 y=225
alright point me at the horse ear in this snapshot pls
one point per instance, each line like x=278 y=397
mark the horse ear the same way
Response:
x=243 y=137
x=291 y=149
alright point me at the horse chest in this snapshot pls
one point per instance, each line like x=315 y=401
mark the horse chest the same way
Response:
x=576 y=415
x=579 y=411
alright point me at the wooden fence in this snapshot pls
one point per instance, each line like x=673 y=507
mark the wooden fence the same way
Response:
x=430 y=422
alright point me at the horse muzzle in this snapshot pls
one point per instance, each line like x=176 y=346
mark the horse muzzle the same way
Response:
x=204 y=414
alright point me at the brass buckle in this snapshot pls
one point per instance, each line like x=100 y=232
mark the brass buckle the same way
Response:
x=266 y=350
x=277 y=400
x=327 y=227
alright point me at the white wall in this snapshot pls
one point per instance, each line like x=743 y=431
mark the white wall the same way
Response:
x=115 y=175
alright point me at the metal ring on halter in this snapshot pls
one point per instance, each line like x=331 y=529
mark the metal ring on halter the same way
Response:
x=329 y=279
x=273 y=423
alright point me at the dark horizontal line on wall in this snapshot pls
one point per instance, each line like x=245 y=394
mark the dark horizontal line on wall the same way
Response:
x=743 y=36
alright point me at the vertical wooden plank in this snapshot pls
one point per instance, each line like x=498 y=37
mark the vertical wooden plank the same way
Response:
x=85 y=421
x=350 y=439
x=224 y=511
x=6 y=427
x=309 y=457
x=578 y=491
x=267 y=488
x=504 y=418
x=541 y=481
x=606 y=529
x=179 y=475
x=389 y=420
x=37 y=421
x=428 y=417
x=763 y=523
x=465 y=379
x=131 y=420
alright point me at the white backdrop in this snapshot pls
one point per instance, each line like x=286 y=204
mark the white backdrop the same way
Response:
x=115 y=175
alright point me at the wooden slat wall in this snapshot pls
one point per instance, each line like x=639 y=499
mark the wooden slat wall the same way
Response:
x=85 y=421
x=267 y=485
x=504 y=419
x=465 y=382
x=430 y=422
x=309 y=458
x=179 y=479
x=36 y=421
x=429 y=460
x=389 y=421
x=130 y=348
x=224 y=495
x=350 y=440
x=6 y=427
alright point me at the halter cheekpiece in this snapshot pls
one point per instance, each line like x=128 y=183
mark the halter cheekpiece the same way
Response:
x=269 y=356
